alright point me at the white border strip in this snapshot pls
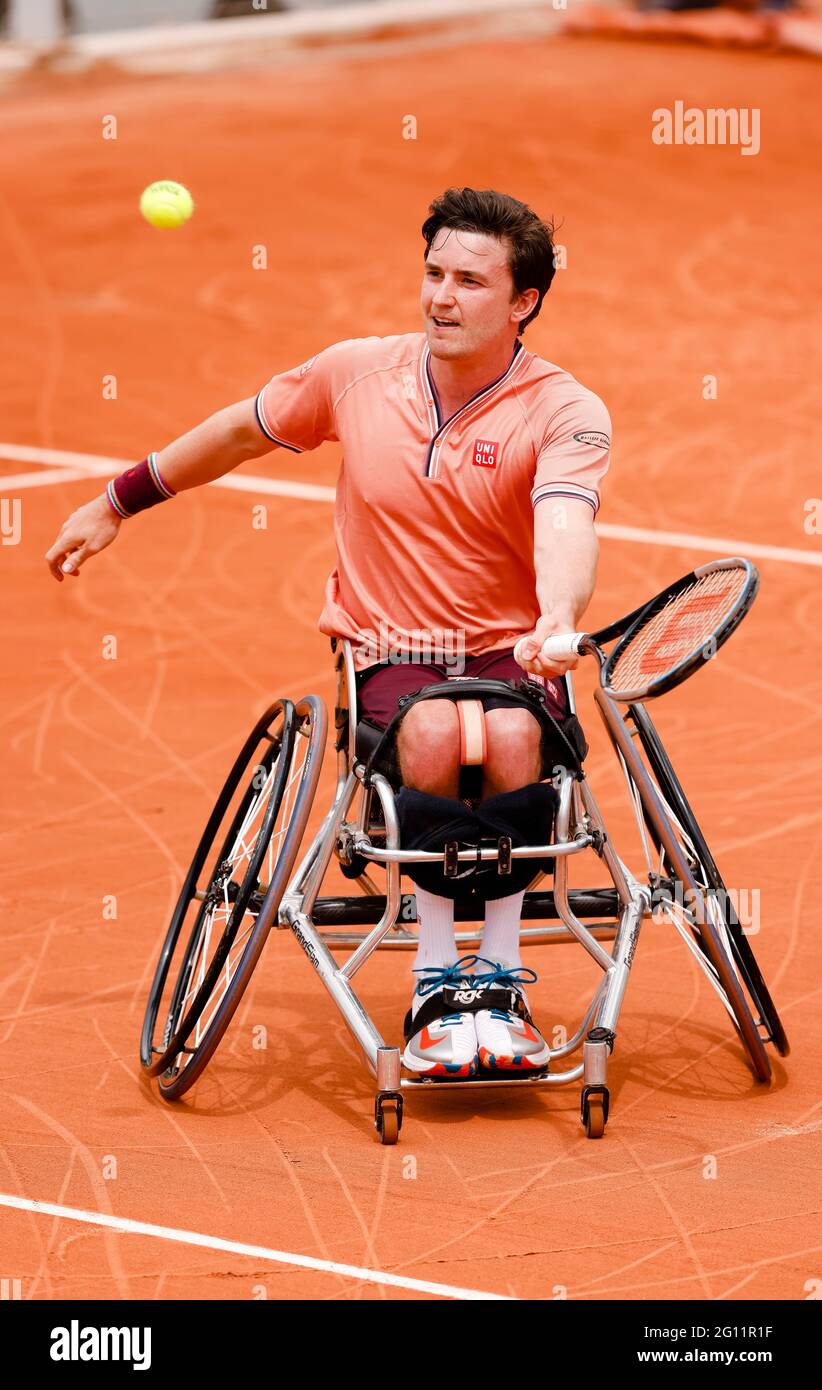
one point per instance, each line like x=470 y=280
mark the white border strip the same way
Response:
x=195 y=45
x=344 y=21
x=96 y=466
x=236 y=1247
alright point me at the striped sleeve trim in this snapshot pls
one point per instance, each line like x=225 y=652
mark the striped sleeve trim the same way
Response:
x=269 y=433
x=583 y=494
x=157 y=479
x=115 y=502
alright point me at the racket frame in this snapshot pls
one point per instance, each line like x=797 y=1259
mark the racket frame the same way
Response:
x=627 y=628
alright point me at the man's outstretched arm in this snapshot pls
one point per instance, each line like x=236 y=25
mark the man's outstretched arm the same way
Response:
x=213 y=448
x=566 y=552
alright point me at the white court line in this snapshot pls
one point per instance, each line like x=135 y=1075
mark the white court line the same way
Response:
x=236 y=1247
x=721 y=545
x=16 y=481
x=95 y=466
x=63 y=458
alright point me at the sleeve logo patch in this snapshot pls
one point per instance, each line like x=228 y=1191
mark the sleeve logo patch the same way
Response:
x=485 y=453
x=306 y=367
x=600 y=441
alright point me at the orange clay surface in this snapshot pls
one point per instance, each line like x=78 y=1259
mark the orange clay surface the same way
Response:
x=682 y=262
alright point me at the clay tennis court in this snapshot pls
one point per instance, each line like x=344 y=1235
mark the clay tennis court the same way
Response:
x=681 y=263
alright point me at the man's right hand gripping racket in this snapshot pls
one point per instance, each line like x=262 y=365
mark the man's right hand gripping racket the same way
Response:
x=667 y=639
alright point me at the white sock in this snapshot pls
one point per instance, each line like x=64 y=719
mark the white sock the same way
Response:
x=435 y=923
x=500 y=935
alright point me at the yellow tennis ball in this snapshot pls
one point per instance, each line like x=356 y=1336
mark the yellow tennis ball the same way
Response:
x=166 y=204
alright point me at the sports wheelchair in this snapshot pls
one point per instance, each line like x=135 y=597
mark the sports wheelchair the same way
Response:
x=246 y=876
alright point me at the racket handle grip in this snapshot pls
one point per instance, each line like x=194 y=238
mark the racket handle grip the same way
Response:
x=562 y=646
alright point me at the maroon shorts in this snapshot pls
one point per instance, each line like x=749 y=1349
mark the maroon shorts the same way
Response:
x=380 y=687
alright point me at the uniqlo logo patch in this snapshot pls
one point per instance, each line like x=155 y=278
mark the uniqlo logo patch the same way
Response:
x=486 y=452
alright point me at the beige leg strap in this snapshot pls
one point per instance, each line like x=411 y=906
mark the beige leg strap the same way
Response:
x=473 y=741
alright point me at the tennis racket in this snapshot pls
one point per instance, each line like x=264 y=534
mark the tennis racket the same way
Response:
x=665 y=640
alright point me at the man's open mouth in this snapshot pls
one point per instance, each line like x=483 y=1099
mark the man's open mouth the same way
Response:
x=445 y=323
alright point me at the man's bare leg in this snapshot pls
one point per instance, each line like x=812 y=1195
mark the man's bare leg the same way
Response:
x=428 y=748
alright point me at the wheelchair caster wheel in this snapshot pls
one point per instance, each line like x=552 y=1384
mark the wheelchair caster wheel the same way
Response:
x=595 y=1119
x=388 y=1118
x=594 y=1108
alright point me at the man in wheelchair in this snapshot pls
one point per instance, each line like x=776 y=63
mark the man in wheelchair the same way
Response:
x=465 y=507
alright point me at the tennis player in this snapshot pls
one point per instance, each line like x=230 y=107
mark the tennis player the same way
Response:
x=464 y=521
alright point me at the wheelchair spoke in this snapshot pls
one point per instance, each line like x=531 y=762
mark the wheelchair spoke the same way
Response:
x=199 y=963
x=245 y=842
x=226 y=975
x=685 y=930
x=244 y=847
x=685 y=839
x=295 y=776
x=196 y=974
x=636 y=806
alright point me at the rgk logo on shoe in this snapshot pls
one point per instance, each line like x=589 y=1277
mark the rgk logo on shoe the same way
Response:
x=471 y=998
x=466 y=995
x=485 y=453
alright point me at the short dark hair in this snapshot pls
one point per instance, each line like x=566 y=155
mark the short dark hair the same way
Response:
x=531 y=257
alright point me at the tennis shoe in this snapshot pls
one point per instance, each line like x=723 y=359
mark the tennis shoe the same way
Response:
x=441 y=1039
x=507 y=1039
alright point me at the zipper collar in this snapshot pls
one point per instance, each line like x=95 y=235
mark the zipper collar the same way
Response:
x=438 y=422
x=439 y=427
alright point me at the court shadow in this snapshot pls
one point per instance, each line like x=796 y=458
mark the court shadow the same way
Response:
x=719 y=1070
x=310 y=1066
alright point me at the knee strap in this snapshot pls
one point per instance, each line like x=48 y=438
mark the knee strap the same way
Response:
x=473 y=738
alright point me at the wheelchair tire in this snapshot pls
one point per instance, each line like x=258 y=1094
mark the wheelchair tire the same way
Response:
x=595 y=1118
x=274 y=728
x=234 y=910
x=595 y=1103
x=389 y=1120
x=726 y=950
x=742 y=951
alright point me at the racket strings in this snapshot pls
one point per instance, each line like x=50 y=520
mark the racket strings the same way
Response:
x=686 y=623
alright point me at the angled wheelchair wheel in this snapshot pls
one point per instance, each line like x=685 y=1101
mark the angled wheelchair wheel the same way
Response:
x=232 y=843
x=224 y=913
x=724 y=952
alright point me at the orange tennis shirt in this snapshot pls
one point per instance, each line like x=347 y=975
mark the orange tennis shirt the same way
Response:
x=434 y=521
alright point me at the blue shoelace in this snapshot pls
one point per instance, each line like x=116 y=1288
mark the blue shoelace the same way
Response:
x=443 y=975
x=498 y=974
x=440 y=976
x=454 y=975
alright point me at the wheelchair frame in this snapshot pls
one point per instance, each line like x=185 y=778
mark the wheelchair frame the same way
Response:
x=578 y=827
x=293 y=900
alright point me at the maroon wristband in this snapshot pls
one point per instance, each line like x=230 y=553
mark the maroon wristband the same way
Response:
x=138 y=488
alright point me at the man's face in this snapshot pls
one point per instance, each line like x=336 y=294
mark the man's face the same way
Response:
x=467 y=291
